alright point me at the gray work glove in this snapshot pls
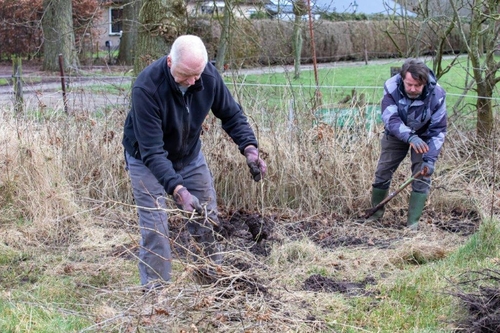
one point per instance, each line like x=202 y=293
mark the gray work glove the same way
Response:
x=427 y=168
x=418 y=144
x=187 y=201
x=257 y=165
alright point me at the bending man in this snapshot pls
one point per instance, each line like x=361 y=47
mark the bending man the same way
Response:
x=170 y=100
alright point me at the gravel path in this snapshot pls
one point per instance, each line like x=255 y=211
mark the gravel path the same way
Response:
x=47 y=93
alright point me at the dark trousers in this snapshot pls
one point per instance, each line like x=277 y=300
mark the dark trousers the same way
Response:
x=393 y=152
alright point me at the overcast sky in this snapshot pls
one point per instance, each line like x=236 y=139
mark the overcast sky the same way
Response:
x=364 y=6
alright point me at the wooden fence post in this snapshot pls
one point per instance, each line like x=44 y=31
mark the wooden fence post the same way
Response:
x=18 y=85
x=61 y=69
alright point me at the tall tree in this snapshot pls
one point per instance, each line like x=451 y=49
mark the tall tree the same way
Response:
x=481 y=43
x=224 y=40
x=160 y=23
x=300 y=8
x=131 y=9
x=58 y=34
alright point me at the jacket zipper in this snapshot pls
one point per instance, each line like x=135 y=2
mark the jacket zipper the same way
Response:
x=186 y=124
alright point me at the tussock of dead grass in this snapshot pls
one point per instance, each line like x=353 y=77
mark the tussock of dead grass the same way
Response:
x=422 y=253
x=243 y=300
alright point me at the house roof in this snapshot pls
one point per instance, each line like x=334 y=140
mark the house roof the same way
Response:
x=285 y=6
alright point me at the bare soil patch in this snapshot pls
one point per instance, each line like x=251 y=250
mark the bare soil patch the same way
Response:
x=256 y=233
x=320 y=283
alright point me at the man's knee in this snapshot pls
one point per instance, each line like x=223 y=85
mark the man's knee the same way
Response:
x=382 y=185
x=421 y=185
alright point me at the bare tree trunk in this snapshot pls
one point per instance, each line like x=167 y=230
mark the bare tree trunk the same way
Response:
x=297 y=46
x=130 y=24
x=58 y=34
x=17 y=82
x=300 y=8
x=160 y=23
x=484 y=124
x=225 y=36
x=483 y=31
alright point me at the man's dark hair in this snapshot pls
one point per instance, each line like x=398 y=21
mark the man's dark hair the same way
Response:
x=418 y=70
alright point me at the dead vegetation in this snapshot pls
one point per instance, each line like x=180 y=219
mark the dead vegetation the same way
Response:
x=480 y=295
x=281 y=281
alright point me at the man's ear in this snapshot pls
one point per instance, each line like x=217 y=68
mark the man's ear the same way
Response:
x=169 y=61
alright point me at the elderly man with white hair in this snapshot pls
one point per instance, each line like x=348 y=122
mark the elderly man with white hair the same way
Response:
x=170 y=100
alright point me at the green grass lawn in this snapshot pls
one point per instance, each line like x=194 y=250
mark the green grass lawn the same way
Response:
x=337 y=82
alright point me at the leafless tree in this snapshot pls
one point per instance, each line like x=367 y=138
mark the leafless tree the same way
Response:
x=478 y=28
x=225 y=37
x=300 y=8
x=428 y=33
x=481 y=43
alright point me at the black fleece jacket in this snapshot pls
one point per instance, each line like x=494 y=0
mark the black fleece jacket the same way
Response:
x=163 y=127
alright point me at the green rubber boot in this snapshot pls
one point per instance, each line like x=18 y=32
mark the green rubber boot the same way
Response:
x=416 y=206
x=377 y=196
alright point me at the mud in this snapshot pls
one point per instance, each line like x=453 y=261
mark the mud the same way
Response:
x=250 y=231
x=320 y=283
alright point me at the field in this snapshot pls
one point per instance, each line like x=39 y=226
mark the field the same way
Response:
x=299 y=256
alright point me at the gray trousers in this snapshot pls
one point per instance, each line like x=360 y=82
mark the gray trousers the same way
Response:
x=155 y=254
x=393 y=152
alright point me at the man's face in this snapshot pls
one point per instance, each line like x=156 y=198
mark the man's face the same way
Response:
x=186 y=72
x=413 y=88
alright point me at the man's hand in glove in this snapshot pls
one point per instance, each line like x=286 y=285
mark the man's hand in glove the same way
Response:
x=427 y=169
x=418 y=144
x=186 y=200
x=257 y=165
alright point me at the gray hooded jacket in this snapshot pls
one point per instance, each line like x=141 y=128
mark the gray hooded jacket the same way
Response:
x=424 y=116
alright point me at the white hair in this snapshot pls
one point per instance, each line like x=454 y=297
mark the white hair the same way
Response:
x=188 y=45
